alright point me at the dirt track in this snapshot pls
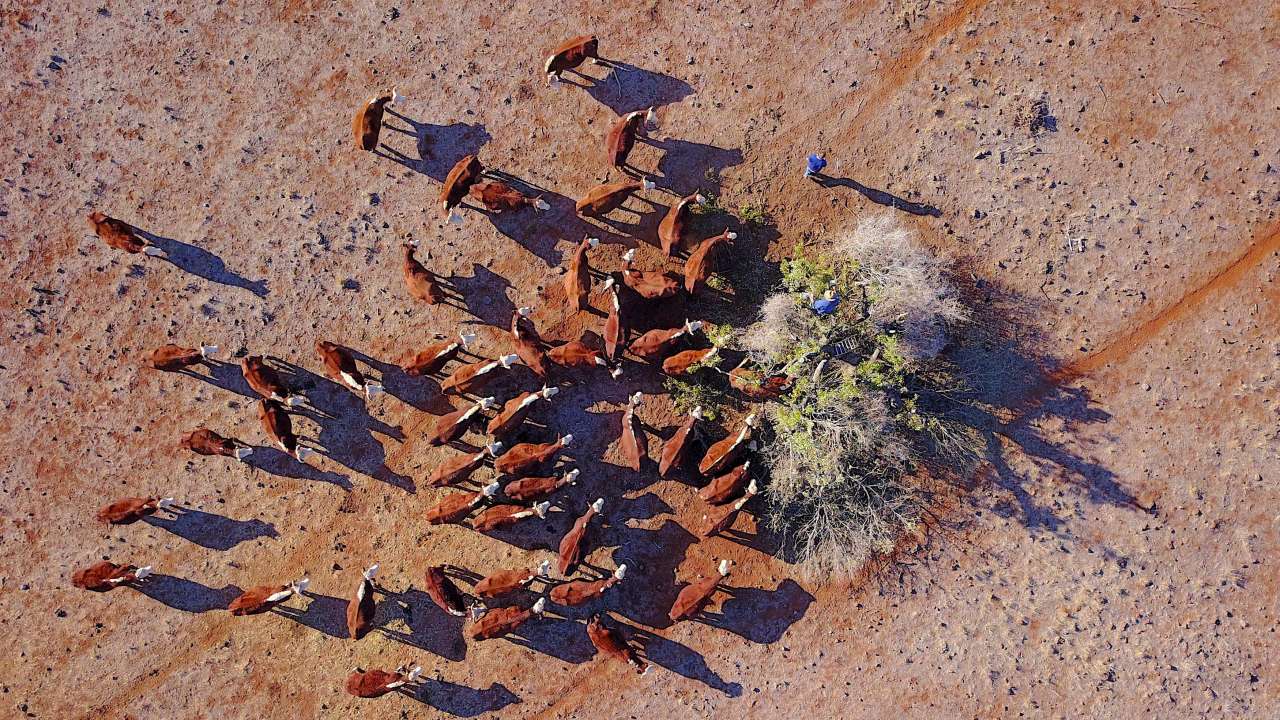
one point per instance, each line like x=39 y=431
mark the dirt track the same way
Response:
x=1114 y=561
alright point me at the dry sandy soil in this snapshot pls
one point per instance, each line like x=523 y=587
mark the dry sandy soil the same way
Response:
x=1110 y=559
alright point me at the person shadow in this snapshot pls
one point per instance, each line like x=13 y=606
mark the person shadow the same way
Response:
x=627 y=87
x=209 y=530
x=202 y=263
x=463 y=701
x=437 y=147
x=187 y=595
x=880 y=197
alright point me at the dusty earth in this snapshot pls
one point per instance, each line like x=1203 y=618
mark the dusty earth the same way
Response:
x=1105 y=176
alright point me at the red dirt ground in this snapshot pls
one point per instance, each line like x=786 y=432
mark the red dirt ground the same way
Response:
x=1114 y=559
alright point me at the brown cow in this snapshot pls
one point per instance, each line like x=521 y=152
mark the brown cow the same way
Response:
x=724 y=453
x=433 y=357
x=725 y=487
x=675 y=449
x=367 y=124
x=266 y=381
x=457 y=506
x=622 y=135
x=610 y=642
x=755 y=386
x=517 y=409
x=577 y=282
x=340 y=363
x=262 y=598
x=361 y=609
x=699 y=265
x=450 y=427
x=648 y=284
x=203 y=441
x=376 y=683
x=680 y=363
x=129 y=510
x=569 y=55
x=573 y=546
x=615 y=331
x=576 y=354
x=633 y=443
x=498 y=196
x=496 y=622
x=280 y=429
x=471 y=378
x=121 y=235
x=528 y=346
x=535 y=488
x=461 y=468
x=504 y=582
x=697 y=594
x=653 y=345
x=717 y=519
x=443 y=592
x=465 y=173
x=577 y=592
x=103 y=576
x=672 y=229
x=525 y=456
x=497 y=517
x=422 y=283
x=172 y=358
x=604 y=199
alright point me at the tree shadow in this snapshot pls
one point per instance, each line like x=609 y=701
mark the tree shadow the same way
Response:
x=759 y=615
x=430 y=628
x=215 y=532
x=463 y=701
x=686 y=167
x=187 y=595
x=345 y=426
x=679 y=659
x=202 y=263
x=323 y=613
x=437 y=147
x=880 y=197
x=627 y=87
x=274 y=461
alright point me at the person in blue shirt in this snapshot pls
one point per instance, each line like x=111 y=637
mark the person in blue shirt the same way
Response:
x=814 y=166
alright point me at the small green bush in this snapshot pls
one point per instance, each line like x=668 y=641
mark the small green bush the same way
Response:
x=688 y=394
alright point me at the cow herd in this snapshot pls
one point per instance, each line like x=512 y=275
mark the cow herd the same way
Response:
x=525 y=485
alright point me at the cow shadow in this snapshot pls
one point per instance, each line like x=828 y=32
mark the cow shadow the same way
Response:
x=463 y=701
x=880 y=197
x=759 y=615
x=202 y=263
x=686 y=167
x=345 y=426
x=680 y=659
x=215 y=532
x=437 y=147
x=324 y=613
x=224 y=376
x=652 y=557
x=430 y=628
x=421 y=393
x=274 y=461
x=564 y=639
x=534 y=230
x=187 y=595
x=485 y=295
x=628 y=87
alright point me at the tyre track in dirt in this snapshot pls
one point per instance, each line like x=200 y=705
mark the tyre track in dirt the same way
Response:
x=1124 y=346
